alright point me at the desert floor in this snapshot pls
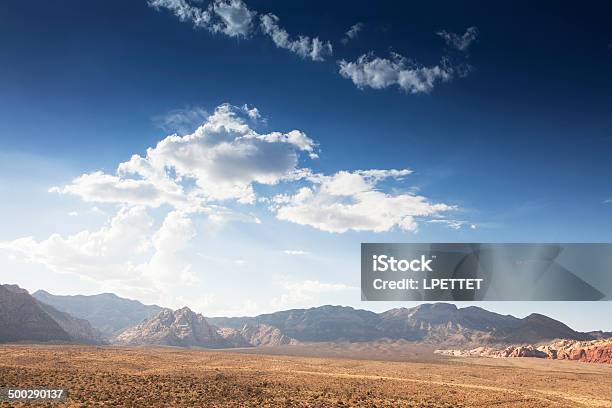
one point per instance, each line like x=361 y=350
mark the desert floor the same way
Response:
x=162 y=377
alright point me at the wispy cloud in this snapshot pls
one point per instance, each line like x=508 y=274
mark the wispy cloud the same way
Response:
x=234 y=19
x=304 y=46
x=296 y=252
x=453 y=224
x=182 y=120
x=460 y=42
x=352 y=33
x=230 y=17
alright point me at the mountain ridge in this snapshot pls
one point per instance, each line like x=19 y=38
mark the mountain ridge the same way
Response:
x=107 y=312
x=441 y=324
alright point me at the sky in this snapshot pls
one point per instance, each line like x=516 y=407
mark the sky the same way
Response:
x=231 y=156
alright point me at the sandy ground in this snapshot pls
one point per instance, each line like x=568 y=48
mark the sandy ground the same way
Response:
x=162 y=377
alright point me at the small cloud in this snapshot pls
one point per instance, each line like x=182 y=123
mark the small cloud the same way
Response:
x=608 y=201
x=182 y=120
x=352 y=33
x=453 y=224
x=379 y=73
x=73 y=213
x=460 y=42
x=297 y=252
x=252 y=113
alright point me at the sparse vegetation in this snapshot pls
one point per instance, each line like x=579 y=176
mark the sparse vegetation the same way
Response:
x=162 y=377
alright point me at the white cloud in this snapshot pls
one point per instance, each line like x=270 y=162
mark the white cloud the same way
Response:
x=253 y=112
x=73 y=213
x=105 y=188
x=379 y=73
x=172 y=237
x=221 y=160
x=296 y=252
x=126 y=255
x=184 y=11
x=453 y=224
x=351 y=201
x=230 y=17
x=234 y=18
x=297 y=293
x=304 y=46
x=460 y=42
x=108 y=253
x=352 y=33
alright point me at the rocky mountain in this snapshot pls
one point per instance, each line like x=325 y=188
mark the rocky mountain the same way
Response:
x=107 y=312
x=79 y=330
x=256 y=335
x=182 y=328
x=23 y=318
x=598 y=334
x=594 y=351
x=325 y=323
x=438 y=323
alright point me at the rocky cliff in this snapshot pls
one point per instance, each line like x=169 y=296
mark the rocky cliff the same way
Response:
x=182 y=328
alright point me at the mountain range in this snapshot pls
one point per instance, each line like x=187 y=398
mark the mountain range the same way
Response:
x=107 y=312
x=23 y=318
x=107 y=317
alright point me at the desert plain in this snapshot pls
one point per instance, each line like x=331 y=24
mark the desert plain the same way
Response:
x=318 y=376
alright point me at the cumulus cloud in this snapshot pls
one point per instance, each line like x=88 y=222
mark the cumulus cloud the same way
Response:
x=351 y=201
x=460 y=42
x=101 y=254
x=304 y=46
x=106 y=188
x=221 y=160
x=352 y=33
x=225 y=158
x=127 y=254
x=379 y=73
x=172 y=237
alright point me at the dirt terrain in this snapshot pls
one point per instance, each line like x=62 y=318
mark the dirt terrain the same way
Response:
x=162 y=377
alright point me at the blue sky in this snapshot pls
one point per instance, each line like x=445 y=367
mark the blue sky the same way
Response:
x=506 y=129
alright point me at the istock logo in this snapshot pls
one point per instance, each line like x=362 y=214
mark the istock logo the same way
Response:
x=383 y=263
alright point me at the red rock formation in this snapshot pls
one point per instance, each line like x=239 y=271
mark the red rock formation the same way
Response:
x=595 y=351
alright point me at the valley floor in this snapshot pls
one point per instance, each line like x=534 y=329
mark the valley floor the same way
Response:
x=162 y=377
